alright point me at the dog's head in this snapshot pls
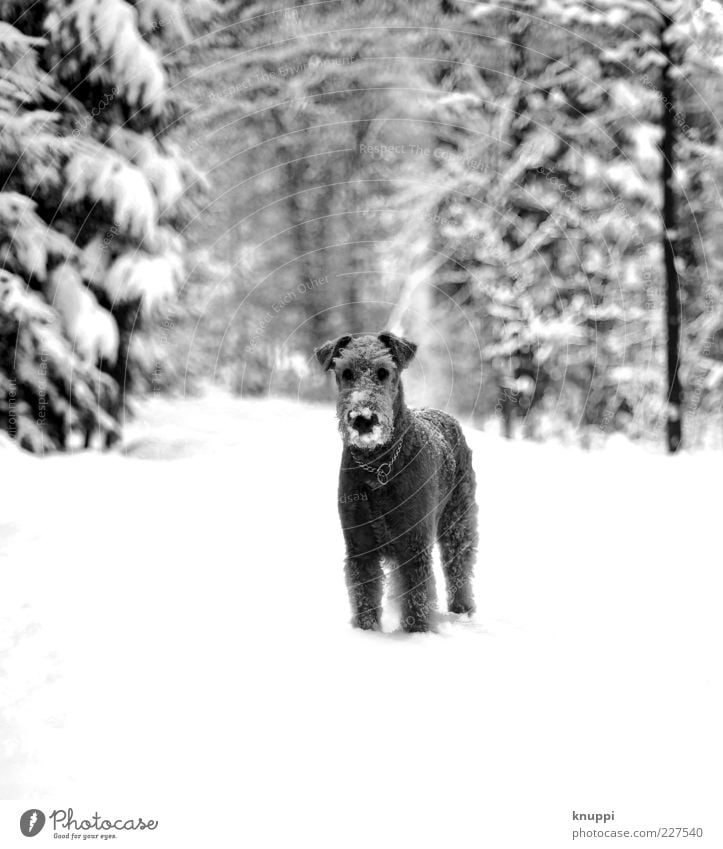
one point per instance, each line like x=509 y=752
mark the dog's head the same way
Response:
x=368 y=371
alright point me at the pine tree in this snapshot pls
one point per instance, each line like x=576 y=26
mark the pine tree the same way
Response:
x=675 y=49
x=93 y=197
x=563 y=239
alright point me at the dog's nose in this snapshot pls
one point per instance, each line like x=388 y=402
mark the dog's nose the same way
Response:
x=363 y=424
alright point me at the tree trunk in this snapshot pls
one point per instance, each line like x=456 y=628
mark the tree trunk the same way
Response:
x=302 y=237
x=305 y=255
x=672 y=284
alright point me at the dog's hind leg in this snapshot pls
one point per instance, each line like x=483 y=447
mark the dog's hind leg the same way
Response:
x=458 y=547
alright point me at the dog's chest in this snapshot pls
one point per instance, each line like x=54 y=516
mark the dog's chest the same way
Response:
x=411 y=499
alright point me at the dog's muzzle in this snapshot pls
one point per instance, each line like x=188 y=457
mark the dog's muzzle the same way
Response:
x=363 y=422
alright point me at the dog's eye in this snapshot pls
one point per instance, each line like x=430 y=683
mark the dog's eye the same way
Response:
x=347 y=374
x=382 y=374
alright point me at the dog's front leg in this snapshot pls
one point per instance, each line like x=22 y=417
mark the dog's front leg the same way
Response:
x=363 y=566
x=365 y=583
x=416 y=590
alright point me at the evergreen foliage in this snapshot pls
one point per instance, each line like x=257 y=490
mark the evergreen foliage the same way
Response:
x=93 y=198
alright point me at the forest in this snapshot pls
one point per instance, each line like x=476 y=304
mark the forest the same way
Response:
x=202 y=192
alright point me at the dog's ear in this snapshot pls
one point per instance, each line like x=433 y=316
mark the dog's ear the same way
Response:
x=327 y=352
x=403 y=350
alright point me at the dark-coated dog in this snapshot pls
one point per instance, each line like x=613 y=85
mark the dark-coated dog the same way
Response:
x=406 y=482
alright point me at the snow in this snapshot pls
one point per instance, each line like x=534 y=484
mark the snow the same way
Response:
x=136 y=273
x=162 y=172
x=107 y=30
x=18 y=300
x=32 y=240
x=176 y=644
x=92 y=329
x=99 y=174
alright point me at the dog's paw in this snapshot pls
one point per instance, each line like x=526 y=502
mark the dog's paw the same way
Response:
x=415 y=625
x=463 y=608
x=366 y=621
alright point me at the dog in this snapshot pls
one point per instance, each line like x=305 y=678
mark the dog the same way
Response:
x=406 y=482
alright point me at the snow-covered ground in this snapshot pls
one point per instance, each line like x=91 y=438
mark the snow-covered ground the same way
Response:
x=175 y=643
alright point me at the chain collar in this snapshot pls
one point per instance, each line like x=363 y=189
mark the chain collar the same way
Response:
x=384 y=470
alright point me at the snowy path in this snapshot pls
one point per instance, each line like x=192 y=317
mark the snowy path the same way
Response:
x=175 y=635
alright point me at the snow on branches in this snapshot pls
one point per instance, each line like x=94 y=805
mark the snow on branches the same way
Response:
x=91 y=195
x=101 y=175
x=103 y=35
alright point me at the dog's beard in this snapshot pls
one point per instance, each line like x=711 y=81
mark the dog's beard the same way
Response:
x=378 y=436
